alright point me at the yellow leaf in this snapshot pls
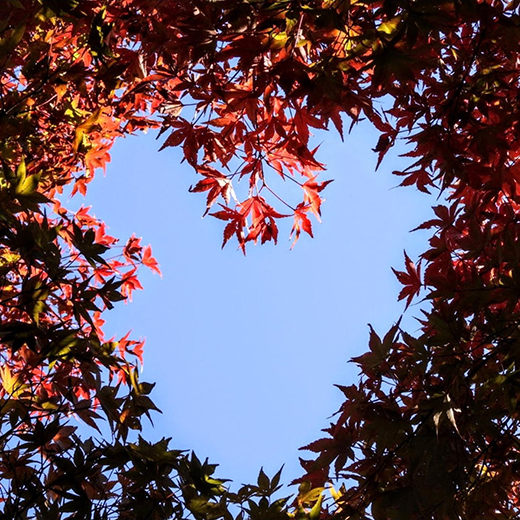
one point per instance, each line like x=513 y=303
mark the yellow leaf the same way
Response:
x=27 y=185
x=279 y=41
x=390 y=26
x=47 y=405
x=7 y=257
x=85 y=128
x=11 y=384
x=335 y=494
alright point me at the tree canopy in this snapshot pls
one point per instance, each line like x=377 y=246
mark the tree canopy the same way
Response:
x=431 y=430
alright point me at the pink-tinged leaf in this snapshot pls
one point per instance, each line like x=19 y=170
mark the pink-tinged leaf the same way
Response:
x=138 y=350
x=149 y=261
x=130 y=284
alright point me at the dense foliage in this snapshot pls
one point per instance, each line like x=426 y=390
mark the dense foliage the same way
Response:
x=432 y=428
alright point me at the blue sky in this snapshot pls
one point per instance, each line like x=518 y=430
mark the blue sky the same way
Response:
x=245 y=350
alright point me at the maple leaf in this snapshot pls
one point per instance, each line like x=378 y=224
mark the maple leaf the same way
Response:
x=421 y=178
x=123 y=343
x=149 y=261
x=446 y=218
x=96 y=158
x=133 y=248
x=234 y=227
x=301 y=222
x=384 y=144
x=262 y=219
x=216 y=183
x=130 y=284
x=262 y=216
x=311 y=190
x=138 y=350
x=411 y=279
x=260 y=76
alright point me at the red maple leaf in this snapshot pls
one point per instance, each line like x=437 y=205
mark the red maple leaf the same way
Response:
x=411 y=279
x=216 y=184
x=149 y=261
x=301 y=222
x=311 y=194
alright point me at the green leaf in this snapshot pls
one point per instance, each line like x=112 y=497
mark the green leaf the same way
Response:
x=316 y=509
x=263 y=480
x=9 y=43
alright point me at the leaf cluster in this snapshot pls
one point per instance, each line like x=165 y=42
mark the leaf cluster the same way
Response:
x=431 y=430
